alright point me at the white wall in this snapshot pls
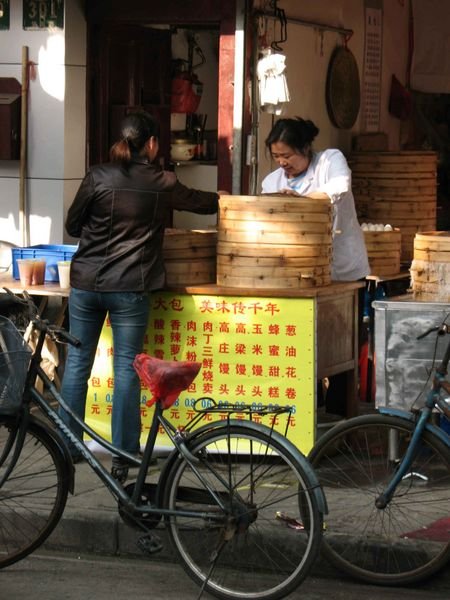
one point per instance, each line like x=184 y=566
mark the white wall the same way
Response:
x=307 y=58
x=56 y=124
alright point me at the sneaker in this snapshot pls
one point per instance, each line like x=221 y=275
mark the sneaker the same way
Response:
x=120 y=467
x=119 y=472
x=77 y=458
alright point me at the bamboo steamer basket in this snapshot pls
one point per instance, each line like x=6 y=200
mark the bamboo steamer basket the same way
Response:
x=189 y=256
x=430 y=268
x=399 y=188
x=274 y=242
x=383 y=251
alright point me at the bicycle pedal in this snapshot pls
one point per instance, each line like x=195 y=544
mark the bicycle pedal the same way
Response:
x=119 y=473
x=150 y=544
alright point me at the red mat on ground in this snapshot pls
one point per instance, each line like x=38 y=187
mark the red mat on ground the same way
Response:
x=439 y=531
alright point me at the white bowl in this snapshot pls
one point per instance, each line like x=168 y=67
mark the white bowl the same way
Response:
x=182 y=151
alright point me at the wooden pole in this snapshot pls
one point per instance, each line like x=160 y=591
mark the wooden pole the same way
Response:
x=23 y=212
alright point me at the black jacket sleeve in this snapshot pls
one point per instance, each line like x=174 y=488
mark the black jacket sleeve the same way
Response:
x=197 y=201
x=78 y=211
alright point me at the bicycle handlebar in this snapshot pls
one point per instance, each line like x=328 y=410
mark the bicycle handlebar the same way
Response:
x=63 y=335
x=441 y=329
x=57 y=333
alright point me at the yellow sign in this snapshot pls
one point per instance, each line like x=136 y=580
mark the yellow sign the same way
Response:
x=254 y=351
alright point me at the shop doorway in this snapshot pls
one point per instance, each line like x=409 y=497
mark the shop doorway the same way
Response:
x=129 y=68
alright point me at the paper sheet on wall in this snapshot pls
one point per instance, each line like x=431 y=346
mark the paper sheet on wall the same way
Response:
x=373 y=46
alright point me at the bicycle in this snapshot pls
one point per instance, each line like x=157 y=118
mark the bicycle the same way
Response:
x=241 y=505
x=386 y=478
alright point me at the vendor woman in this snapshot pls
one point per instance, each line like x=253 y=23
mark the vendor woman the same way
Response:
x=326 y=174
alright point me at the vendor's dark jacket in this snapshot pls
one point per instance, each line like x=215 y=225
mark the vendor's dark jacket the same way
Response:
x=120 y=213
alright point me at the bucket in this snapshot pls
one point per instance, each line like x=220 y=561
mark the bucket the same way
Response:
x=274 y=242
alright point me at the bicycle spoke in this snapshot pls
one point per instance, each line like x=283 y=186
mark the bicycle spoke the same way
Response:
x=392 y=545
x=33 y=496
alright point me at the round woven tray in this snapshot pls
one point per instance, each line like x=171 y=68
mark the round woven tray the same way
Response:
x=342 y=88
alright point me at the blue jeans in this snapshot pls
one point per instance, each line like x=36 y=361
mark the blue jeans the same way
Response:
x=128 y=314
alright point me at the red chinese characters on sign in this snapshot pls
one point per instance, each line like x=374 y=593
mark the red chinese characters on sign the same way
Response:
x=253 y=351
x=235 y=340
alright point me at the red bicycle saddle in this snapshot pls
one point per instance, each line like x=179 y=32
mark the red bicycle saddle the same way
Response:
x=166 y=379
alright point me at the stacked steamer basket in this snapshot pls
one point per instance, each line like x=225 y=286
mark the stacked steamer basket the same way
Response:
x=397 y=188
x=383 y=250
x=274 y=241
x=430 y=269
x=189 y=256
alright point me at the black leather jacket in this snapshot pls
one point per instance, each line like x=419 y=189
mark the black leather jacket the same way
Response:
x=119 y=214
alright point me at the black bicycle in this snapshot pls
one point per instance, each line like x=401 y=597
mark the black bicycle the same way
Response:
x=241 y=504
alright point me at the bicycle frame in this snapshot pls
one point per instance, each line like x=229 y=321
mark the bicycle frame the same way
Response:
x=423 y=422
x=129 y=502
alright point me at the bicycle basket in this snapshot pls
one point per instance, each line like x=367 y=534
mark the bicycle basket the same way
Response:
x=15 y=357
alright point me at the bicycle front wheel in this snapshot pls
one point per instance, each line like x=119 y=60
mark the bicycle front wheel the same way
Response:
x=261 y=526
x=405 y=542
x=34 y=495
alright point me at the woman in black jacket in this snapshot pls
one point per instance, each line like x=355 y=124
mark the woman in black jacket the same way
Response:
x=119 y=214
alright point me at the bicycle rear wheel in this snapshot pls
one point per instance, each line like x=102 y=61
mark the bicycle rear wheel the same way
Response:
x=263 y=542
x=407 y=541
x=34 y=495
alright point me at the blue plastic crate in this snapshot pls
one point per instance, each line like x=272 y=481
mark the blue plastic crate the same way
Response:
x=50 y=252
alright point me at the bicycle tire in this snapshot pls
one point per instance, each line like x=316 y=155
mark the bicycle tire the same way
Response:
x=271 y=529
x=398 y=545
x=33 y=497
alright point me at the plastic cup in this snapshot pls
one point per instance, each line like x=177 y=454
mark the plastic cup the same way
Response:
x=26 y=268
x=64 y=273
x=39 y=271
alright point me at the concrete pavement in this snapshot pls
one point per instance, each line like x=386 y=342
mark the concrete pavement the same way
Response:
x=91 y=524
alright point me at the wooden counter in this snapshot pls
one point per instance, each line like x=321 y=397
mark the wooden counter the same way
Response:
x=47 y=289
x=44 y=292
x=334 y=333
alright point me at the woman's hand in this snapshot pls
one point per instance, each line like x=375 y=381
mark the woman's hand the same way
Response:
x=288 y=192
x=318 y=195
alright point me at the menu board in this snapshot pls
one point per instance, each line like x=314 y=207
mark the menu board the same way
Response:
x=254 y=351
